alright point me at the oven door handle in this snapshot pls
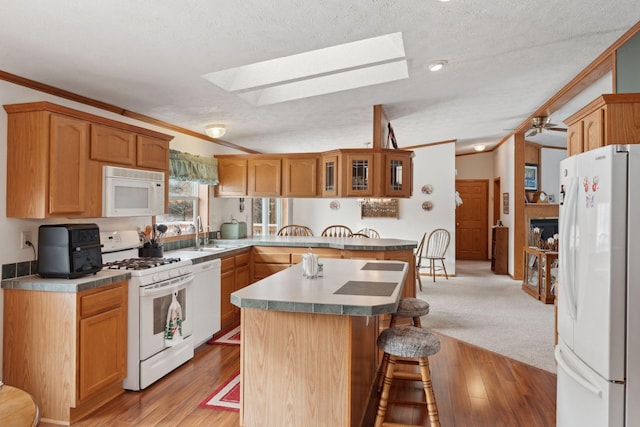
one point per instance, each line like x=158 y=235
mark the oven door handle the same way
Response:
x=166 y=287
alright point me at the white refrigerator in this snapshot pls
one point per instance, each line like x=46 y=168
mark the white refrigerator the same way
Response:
x=598 y=351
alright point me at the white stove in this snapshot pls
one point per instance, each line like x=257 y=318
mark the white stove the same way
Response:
x=154 y=284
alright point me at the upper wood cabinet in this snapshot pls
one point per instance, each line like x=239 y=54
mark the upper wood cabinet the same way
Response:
x=232 y=174
x=609 y=119
x=113 y=145
x=265 y=177
x=337 y=173
x=300 y=176
x=55 y=156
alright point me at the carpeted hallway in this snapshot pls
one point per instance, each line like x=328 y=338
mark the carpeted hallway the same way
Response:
x=492 y=312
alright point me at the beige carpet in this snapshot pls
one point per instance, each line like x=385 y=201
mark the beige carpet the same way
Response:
x=492 y=312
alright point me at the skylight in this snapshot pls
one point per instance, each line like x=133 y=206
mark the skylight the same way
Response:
x=347 y=66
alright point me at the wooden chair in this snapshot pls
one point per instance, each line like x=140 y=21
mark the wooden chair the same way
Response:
x=437 y=245
x=369 y=232
x=337 y=231
x=418 y=256
x=295 y=230
x=359 y=235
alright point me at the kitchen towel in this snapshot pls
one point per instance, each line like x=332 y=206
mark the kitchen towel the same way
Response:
x=173 y=327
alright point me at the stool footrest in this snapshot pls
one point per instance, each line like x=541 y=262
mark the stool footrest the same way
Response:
x=407 y=376
x=400 y=425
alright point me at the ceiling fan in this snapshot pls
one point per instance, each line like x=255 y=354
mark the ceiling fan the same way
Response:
x=541 y=123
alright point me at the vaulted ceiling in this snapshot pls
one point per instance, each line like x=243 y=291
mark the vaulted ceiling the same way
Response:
x=505 y=59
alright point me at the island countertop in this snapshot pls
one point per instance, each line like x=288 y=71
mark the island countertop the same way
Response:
x=349 y=287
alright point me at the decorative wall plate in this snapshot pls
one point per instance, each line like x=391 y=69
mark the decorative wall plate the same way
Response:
x=427 y=206
x=427 y=189
x=335 y=205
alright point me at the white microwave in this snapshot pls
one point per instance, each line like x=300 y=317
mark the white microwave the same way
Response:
x=131 y=192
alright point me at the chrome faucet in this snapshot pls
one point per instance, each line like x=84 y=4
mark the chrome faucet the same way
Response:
x=198 y=229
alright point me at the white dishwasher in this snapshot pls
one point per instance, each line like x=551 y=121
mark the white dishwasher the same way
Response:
x=206 y=301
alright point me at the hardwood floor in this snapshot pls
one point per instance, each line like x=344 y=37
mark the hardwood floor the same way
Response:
x=473 y=388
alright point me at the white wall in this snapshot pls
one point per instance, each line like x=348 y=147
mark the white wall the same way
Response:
x=10 y=228
x=503 y=160
x=433 y=165
x=550 y=159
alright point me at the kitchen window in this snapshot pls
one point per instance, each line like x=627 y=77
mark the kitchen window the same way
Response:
x=187 y=200
x=268 y=214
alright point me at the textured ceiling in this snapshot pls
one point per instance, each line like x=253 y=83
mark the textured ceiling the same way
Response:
x=505 y=59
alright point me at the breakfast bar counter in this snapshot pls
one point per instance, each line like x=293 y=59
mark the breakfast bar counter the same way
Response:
x=308 y=346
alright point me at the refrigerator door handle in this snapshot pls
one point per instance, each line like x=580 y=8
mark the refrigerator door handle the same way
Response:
x=580 y=379
x=567 y=268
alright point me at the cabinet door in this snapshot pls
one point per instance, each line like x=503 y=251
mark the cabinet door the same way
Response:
x=265 y=177
x=67 y=165
x=359 y=173
x=330 y=183
x=593 y=130
x=152 y=153
x=228 y=311
x=101 y=351
x=102 y=339
x=232 y=174
x=112 y=145
x=575 y=139
x=397 y=175
x=300 y=177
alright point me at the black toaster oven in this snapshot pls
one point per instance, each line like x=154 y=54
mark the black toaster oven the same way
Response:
x=69 y=250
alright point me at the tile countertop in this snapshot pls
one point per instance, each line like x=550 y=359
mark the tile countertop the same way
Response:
x=287 y=290
x=90 y=281
x=348 y=243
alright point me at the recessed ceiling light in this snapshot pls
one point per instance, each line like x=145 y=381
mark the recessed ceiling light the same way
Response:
x=479 y=147
x=437 y=65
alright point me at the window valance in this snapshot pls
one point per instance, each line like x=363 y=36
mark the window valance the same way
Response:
x=190 y=167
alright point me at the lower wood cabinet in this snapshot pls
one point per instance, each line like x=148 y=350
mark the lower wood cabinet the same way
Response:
x=68 y=350
x=540 y=274
x=235 y=273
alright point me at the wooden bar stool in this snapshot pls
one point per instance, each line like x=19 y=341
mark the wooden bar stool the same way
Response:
x=410 y=307
x=409 y=342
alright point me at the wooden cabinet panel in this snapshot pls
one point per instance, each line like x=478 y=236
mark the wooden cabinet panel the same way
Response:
x=574 y=139
x=300 y=177
x=232 y=174
x=330 y=176
x=112 y=145
x=531 y=153
x=592 y=126
x=358 y=175
x=101 y=349
x=228 y=311
x=67 y=165
x=152 y=153
x=398 y=175
x=265 y=177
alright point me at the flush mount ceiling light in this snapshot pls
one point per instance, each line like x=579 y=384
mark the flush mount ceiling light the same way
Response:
x=215 y=131
x=317 y=72
x=479 y=147
x=437 y=65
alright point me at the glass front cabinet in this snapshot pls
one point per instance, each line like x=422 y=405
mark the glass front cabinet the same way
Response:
x=540 y=274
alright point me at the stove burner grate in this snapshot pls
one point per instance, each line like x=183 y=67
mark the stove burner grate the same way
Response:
x=139 y=263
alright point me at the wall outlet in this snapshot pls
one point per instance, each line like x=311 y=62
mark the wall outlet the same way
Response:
x=24 y=237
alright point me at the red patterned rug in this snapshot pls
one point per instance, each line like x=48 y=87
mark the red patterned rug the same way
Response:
x=226 y=397
x=230 y=337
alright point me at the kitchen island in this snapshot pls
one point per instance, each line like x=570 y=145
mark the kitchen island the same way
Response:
x=308 y=346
